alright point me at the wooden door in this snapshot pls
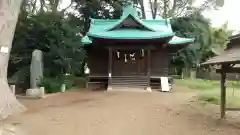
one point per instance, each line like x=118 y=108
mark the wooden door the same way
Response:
x=129 y=63
x=130 y=67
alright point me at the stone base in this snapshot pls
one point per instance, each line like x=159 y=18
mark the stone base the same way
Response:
x=109 y=88
x=149 y=89
x=35 y=92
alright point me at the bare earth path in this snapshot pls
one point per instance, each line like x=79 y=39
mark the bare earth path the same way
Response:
x=120 y=113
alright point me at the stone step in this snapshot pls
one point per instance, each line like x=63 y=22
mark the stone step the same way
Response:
x=128 y=89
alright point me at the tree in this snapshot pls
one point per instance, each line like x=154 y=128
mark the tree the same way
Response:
x=220 y=36
x=176 y=8
x=101 y=9
x=63 y=50
x=9 y=10
x=193 y=26
x=55 y=34
x=206 y=39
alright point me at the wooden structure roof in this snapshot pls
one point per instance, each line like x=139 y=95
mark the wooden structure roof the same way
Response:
x=231 y=56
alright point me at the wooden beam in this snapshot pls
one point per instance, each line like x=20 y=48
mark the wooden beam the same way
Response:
x=164 y=45
x=231 y=65
x=229 y=70
x=131 y=47
x=223 y=92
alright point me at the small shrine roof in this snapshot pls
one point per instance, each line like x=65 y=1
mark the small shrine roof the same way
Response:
x=231 y=55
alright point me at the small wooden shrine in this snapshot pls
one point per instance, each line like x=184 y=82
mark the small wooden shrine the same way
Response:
x=130 y=52
x=228 y=61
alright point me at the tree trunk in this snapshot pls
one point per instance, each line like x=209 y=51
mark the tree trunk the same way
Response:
x=9 y=11
x=153 y=6
x=142 y=9
x=165 y=5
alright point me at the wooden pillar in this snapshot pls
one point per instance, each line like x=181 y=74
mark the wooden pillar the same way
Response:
x=149 y=70
x=109 y=87
x=223 y=92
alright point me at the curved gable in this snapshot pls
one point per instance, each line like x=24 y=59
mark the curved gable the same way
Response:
x=130 y=22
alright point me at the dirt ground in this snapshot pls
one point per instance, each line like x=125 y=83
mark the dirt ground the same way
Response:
x=122 y=113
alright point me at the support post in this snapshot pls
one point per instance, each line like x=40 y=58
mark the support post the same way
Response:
x=149 y=70
x=109 y=87
x=223 y=92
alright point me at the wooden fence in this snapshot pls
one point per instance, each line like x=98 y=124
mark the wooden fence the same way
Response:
x=202 y=74
x=215 y=76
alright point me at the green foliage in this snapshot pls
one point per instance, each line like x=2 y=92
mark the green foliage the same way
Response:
x=55 y=35
x=206 y=38
x=193 y=26
x=64 y=52
x=68 y=80
x=97 y=9
x=53 y=85
x=220 y=38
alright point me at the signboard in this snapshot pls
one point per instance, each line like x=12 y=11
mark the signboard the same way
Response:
x=165 y=84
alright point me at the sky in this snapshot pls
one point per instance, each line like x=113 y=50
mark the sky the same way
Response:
x=228 y=13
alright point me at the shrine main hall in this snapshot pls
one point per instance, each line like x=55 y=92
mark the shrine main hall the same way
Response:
x=130 y=51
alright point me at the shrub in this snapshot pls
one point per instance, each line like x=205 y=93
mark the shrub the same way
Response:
x=69 y=81
x=53 y=85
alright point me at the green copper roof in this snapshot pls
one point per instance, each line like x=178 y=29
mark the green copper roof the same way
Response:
x=130 y=34
x=130 y=12
x=174 y=40
x=130 y=26
x=162 y=25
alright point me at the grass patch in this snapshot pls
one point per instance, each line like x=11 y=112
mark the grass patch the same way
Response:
x=209 y=91
x=199 y=84
x=213 y=97
x=209 y=96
